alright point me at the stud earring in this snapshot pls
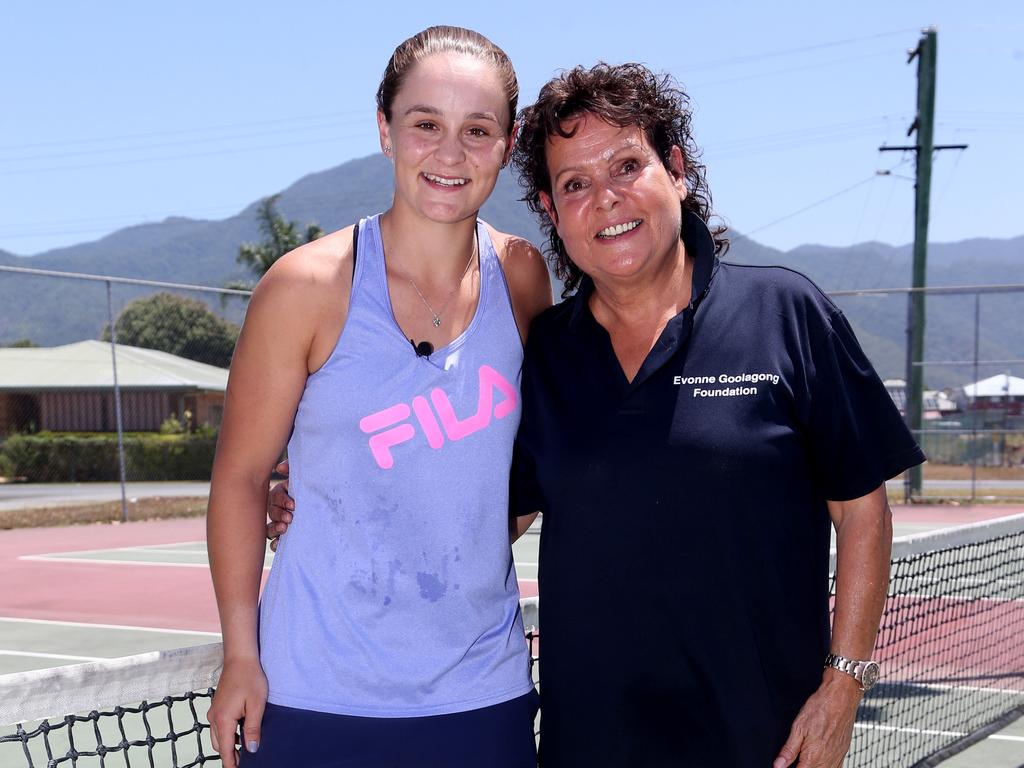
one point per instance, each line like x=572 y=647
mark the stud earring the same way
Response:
x=387 y=149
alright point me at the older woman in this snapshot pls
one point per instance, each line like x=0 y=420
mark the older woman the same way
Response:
x=690 y=430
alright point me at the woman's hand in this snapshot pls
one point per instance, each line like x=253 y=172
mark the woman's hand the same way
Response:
x=241 y=695
x=280 y=507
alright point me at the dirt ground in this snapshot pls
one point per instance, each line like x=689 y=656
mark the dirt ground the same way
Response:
x=154 y=508
x=963 y=472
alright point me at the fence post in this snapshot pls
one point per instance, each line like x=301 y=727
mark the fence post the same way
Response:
x=973 y=401
x=117 y=404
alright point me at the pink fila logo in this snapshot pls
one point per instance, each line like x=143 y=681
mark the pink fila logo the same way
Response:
x=395 y=432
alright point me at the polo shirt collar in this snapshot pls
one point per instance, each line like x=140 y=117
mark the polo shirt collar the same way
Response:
x=700 y=246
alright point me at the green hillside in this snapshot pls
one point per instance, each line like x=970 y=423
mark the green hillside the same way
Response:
x=54 y=311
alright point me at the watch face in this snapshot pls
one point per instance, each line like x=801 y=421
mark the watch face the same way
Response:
x=870 y=675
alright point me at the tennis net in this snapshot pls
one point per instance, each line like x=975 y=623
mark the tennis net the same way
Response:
x=951 y=645
x=145 y=710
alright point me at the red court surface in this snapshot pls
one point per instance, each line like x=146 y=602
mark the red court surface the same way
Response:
x=179 y=598
x=123 y=593
x=103 y=593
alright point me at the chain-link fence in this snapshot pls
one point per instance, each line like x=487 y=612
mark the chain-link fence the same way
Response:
x=973 y=408
x=81 y=404
x=115 y=380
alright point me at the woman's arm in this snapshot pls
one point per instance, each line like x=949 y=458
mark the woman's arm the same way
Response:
x=279 y=333
x=520 y=525
x=822 y=730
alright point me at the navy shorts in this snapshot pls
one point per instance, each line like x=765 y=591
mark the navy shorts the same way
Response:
x=499 y=736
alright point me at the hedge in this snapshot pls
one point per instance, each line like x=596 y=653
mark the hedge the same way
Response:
x=69 y=457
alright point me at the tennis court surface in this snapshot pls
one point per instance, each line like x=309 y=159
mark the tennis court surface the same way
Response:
x=951 y=646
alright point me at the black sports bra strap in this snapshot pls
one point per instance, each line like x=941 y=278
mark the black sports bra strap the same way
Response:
x=355 y=249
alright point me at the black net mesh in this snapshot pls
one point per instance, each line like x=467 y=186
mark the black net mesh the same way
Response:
x=951 y=646
x=169 y=732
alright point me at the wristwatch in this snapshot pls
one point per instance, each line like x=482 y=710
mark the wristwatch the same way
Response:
x=866 y=673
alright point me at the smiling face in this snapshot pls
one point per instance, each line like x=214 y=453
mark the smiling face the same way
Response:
x=614 y=203
x=449 y=135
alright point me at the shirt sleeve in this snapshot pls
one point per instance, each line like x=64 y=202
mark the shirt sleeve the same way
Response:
x=525 y=495
x=857 y=438
x=524 y=491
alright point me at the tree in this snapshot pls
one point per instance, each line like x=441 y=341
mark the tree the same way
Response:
x=179 y=325
x=22 y=344
x=279 y=237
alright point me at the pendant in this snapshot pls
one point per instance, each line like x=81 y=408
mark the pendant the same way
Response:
x=437 y=321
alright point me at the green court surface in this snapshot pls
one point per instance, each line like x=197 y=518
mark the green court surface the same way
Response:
x=37 y=644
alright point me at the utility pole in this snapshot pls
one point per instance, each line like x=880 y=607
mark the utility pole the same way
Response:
x=926 y=54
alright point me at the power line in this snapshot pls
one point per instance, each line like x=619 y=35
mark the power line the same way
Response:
x=180 y=132
x=801 y=133
x=789 y=70
x=183 y=142
x=792 y=51
x=188 y=156
x=806 y=137
x=822 y=201
x=352 y=112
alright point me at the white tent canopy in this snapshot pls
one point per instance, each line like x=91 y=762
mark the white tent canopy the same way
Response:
x=1003 y=385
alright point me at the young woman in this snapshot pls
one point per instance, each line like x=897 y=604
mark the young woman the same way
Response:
x=388 y=632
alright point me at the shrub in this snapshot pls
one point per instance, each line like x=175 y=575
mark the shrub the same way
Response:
x=51 y=457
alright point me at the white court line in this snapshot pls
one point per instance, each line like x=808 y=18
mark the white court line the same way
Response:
x=100 y=561
x=955 y=598
x=103 y=550
x=30 y=654
x=895 y=729
x=58 y=558
x=90 y=625
x=972 y=688
x=930 y=732
x=76 y=556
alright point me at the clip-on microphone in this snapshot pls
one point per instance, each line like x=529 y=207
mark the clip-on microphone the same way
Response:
x=423 y=349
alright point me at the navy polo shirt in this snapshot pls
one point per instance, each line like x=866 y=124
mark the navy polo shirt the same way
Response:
x=684 y=552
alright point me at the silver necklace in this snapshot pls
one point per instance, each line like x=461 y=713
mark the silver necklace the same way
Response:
x=437 y=315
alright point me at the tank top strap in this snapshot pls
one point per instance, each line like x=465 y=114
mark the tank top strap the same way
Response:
x=369 y=267
x=493 y=285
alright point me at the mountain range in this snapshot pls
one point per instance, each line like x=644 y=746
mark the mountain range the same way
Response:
x=52 y=311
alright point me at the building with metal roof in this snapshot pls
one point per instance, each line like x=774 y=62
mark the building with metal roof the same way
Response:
x=71 y=388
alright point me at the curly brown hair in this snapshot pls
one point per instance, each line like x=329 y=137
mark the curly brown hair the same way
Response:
x=622 y=95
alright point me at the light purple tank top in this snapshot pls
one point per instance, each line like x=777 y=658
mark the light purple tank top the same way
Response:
x=393 y=594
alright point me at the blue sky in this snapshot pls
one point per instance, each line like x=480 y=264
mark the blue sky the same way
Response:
x=116 y=113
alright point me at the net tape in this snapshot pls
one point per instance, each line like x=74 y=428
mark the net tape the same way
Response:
x=951 y=645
